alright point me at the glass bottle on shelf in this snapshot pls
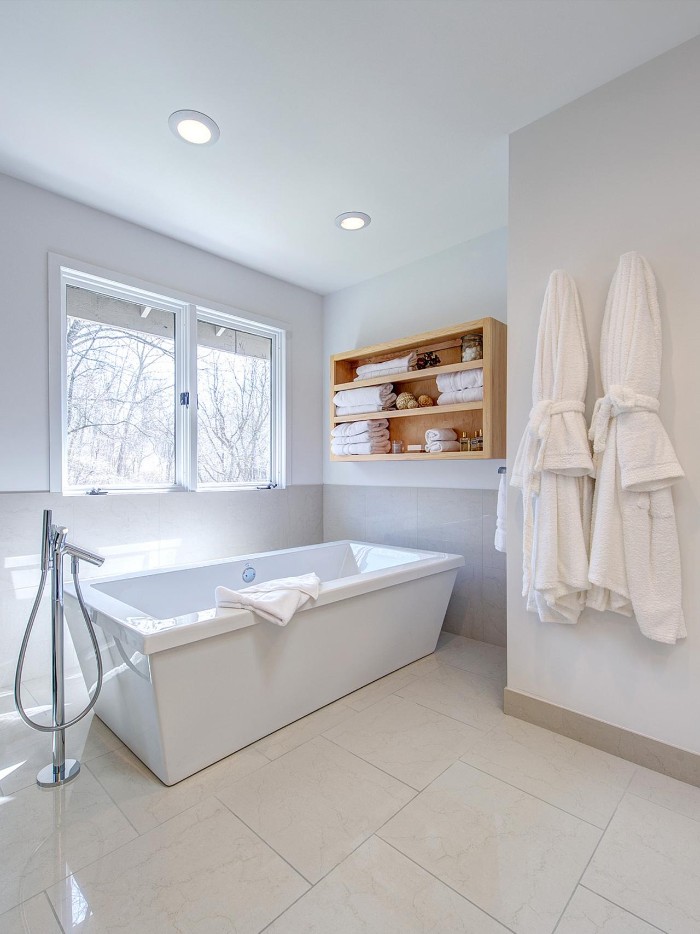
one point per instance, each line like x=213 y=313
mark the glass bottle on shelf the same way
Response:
x=464 y=442
x=472 y=347
x=477 y=442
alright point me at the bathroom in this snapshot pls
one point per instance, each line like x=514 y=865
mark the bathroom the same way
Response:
x=521 y=776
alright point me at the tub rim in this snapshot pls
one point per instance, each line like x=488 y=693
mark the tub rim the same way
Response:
x=148 y=635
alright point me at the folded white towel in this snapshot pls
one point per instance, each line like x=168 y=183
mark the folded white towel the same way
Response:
x=348 y=429
x=383 y=373
x=276 y=601
x=364 y=447
x=397 y=365
x=388 y=403
x=437 y=447
x=461 y=395
x=376 y=437
x=440 y=434
x=499 y=542
x=372 y=395
x=464 y=379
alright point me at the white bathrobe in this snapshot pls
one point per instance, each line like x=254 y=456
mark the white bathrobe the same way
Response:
x=635 y=559
x=553 y=464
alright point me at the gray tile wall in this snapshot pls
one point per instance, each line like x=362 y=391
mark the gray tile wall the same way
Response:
x=137 y=532
x=459 y=521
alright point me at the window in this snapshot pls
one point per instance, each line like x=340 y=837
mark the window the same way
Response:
x=153 y=392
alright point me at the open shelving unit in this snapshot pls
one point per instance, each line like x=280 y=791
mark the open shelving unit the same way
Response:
x=409 y=425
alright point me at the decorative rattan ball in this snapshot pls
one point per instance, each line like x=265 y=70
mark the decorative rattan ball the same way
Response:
x=425 y=401
x=406 y=400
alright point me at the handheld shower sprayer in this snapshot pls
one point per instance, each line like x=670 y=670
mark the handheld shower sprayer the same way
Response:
x=54 y=547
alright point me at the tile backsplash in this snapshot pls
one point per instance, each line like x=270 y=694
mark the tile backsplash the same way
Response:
x=459 y=521
x=134 y=533
x=141 y=531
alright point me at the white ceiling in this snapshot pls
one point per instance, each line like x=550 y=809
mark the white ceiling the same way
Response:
x=400 y=108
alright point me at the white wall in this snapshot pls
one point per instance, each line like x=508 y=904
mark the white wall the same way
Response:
x=616 y=170
x=34 y=222
x=463 y=283
x=136 y=531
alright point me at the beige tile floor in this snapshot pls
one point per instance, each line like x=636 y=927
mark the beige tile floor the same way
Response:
x=412 y=805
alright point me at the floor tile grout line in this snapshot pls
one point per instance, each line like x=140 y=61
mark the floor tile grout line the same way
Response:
x=665 y=807
x=320 y=880
x=588 y=863
x=622 y=908
x=53 y=912
x=265 y=843
x=544 y=800
x=446 y=884
x=401 y=781
x=463 y=722
x=122 y=812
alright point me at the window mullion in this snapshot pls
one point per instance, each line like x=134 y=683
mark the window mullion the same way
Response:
x=186 y=383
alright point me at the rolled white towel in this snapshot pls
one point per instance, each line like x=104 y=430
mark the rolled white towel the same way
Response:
x=397 y=365
x=388 y=403
x=437 y=447
x=366 y=447
x=461 y=395
x=372 y=395
x=440 y=434
x=464 y=379
x=348 y=429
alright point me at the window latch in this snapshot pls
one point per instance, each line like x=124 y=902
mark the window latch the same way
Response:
x=267 y=486
x=184 y=398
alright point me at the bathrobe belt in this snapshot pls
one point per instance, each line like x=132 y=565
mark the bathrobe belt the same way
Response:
x=619 y=400
x=539 y=425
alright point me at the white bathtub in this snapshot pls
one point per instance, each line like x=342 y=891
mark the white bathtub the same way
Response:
x=186 y=685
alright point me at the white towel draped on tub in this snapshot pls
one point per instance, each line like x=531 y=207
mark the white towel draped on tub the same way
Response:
x=276 y=601
x=635 y=558
x=553 y=463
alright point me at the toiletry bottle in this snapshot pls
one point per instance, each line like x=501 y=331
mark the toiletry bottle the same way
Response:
x=464 y=442
x=478 y=441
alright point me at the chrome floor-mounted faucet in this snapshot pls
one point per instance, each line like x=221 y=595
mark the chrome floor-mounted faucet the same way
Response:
x=54 y=548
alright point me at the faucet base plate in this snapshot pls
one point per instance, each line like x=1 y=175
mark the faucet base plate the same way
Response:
x=49 y=777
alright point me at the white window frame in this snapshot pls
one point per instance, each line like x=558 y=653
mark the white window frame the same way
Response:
x=64 y=272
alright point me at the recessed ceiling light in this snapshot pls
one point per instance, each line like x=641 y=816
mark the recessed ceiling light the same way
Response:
x=194 y=127
x=353 y=220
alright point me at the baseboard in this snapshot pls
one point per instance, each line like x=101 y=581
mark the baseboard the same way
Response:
x=652 y=754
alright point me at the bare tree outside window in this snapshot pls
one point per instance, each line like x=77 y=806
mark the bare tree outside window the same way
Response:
x=233 y=434
x=121 y=397
x=120 y=386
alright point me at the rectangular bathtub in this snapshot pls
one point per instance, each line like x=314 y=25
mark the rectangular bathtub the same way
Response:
x=186 y=684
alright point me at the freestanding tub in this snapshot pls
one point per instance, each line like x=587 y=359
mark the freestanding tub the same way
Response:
x=186 y=684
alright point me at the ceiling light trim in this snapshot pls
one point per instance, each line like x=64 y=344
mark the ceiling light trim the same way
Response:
x=345 y=221
x=179 y=117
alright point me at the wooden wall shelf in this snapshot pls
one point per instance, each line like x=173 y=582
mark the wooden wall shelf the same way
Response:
x=409 y=425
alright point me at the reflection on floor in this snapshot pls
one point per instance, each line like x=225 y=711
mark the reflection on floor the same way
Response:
x=413 y=805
